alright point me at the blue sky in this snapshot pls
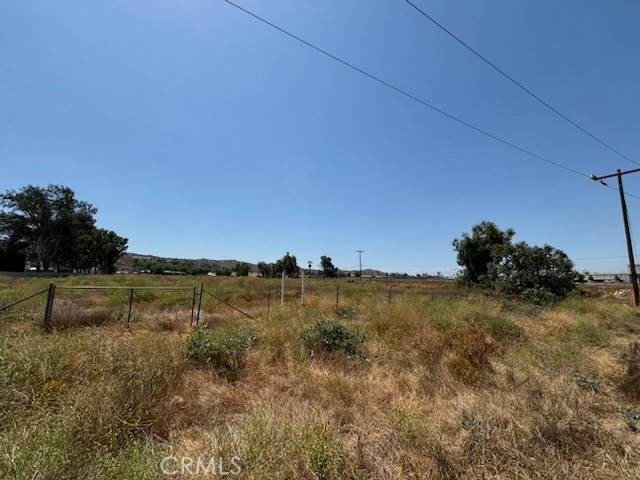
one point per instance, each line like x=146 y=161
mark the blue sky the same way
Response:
x=198 y=131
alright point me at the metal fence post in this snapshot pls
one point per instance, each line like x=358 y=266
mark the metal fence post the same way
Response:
x=269 y=304
x=337 y=295
x=130 y=305
x=193 y=305
x=282 y=290
x=199 y=303
x=49 y=307
x=389 y=296
x=302 y=285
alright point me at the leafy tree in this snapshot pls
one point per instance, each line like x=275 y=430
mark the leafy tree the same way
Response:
x=74 y=227
x=480 y=253
x=196 y=270
x=241 y=269
x=287 y=264
x=157 y=269
x=108 y=248
x=44 y=222
x=328 y=269
x=539 y=274
x=490 y=260
x=54 y=228
x=265 y=269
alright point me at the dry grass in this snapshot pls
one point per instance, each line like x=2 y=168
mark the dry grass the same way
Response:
x=450 y=388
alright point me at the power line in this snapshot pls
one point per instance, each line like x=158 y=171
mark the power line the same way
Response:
x=413 y=97
x=412 y=266
x=407 y=94
x=612 y=257
x=515 y=82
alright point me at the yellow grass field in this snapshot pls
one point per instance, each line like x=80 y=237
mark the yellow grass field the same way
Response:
x=450 y=384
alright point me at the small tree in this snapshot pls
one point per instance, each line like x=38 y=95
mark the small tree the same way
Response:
x=328 y=269
x=108 y=248
x=265 y=269
x=287 y=264
x=539 y=274
x=241 y=269
x=480 y=253
x=490 y=260
x=223 y=271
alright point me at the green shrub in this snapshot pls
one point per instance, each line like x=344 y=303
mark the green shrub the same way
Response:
x=325 y=459
x=223 y=346
x=520 y=308
x=410 y=426
x=539 y=296
x=631 y=418
x=332 y=336
x=502 y=328
x=346 y=313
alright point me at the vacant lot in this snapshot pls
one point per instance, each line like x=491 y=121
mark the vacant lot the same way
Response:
x=446 y=384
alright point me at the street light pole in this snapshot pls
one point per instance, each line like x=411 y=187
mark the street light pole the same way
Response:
x=627 y=230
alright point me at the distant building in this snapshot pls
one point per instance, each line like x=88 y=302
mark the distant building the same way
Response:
x=172 y=272
x=609 y=277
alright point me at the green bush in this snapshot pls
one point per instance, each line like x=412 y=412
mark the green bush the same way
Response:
x=332 y=336
x=223 y=346
x=502 y=328
x=346 y=313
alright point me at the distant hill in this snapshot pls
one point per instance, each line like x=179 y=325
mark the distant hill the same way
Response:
x=134 y=261
x=131 y=261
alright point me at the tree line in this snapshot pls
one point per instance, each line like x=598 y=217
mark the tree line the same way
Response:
x=51 y=228
x=289 y=265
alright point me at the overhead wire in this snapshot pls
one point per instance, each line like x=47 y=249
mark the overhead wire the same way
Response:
x=407 y=94
x=415 y=98
x=515 y=82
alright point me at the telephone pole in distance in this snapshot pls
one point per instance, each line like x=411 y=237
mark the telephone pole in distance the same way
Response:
x=360 y=252
x=627 y=231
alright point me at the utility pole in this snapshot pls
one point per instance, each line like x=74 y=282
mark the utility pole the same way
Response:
x=627 y=231
x=360 y=252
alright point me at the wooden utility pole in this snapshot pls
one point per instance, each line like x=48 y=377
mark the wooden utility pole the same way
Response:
x=627 y=231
